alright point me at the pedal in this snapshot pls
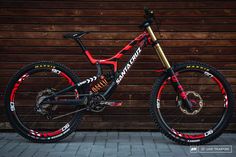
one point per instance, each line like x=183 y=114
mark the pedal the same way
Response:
x=111 y=103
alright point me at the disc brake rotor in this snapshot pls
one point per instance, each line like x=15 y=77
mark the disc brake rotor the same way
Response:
x=45 y=109
x=196 y=101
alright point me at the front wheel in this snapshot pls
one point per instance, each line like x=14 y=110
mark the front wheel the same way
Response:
x=210 y=95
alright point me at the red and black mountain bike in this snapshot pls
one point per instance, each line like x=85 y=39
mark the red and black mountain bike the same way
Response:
x=191 y=103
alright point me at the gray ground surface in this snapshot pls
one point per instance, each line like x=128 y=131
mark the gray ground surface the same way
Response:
x=108 y=144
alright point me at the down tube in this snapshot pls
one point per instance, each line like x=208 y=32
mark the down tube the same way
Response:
x=123 y=72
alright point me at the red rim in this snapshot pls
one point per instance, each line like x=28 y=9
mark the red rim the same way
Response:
x=33 y=132
x=196 y=136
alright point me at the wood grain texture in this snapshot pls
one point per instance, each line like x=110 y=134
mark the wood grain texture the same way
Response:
x=32 y=30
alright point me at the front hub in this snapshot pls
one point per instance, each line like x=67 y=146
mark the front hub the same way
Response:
x=195 y=99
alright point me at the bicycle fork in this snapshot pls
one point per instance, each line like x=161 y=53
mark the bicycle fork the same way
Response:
x=175 y=82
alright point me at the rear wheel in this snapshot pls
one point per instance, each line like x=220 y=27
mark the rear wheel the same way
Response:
x=212 y=100
x=28 y=88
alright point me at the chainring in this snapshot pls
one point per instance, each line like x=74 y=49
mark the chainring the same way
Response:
x=95 y=103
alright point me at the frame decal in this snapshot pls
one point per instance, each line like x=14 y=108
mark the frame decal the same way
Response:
x=128 y=65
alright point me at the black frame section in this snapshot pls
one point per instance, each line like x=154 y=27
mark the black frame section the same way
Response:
x=79 y=85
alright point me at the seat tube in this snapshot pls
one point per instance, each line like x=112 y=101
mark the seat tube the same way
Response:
x=158 y=48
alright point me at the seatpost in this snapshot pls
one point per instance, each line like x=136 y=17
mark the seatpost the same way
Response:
x=78 y=40
x=158 y=48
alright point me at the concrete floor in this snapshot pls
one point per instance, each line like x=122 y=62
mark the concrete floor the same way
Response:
x=108 y=144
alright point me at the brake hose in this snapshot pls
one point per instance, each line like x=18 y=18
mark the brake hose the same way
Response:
x=158 y=24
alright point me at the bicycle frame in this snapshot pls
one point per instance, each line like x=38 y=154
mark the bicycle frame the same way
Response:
x=144 y=39
x=141 y=41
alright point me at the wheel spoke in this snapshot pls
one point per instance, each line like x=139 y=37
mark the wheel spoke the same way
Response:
x=206 y=93
x=32 y=111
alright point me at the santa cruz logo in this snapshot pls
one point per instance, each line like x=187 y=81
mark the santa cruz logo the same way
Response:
x=128 y=65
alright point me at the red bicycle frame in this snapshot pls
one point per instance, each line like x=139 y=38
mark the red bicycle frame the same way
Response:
x=113 y=59
x=144 y=39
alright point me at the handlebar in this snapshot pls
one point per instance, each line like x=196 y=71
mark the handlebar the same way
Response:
x=149 y=16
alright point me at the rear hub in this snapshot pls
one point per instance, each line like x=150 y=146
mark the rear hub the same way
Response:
x=45 y=109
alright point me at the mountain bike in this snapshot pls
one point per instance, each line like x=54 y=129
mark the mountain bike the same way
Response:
x=190 y=103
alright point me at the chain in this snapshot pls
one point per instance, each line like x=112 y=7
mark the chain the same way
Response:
x=69 y=113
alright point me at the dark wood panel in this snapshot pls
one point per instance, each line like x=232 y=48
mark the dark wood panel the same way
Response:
x=129 y=80
x=132 y=87
x=121 y=35
x=63 y=42
x=32 y=30
x=123 y=126
x=114 y=28
x=138 y=66
x=124 y=96
x=149 y=74
x=133 y=104
x=116 y=20
x=111 y=50
x=116 y=12
x=131 y=118
x=82 y=58
x=118 y=5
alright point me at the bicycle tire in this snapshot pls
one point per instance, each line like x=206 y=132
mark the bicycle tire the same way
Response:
x=160 y=122
x=16 y=123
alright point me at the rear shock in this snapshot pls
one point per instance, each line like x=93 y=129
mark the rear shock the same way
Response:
x=99 y=84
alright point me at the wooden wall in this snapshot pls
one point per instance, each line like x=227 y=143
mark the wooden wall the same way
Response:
x=32 y=30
